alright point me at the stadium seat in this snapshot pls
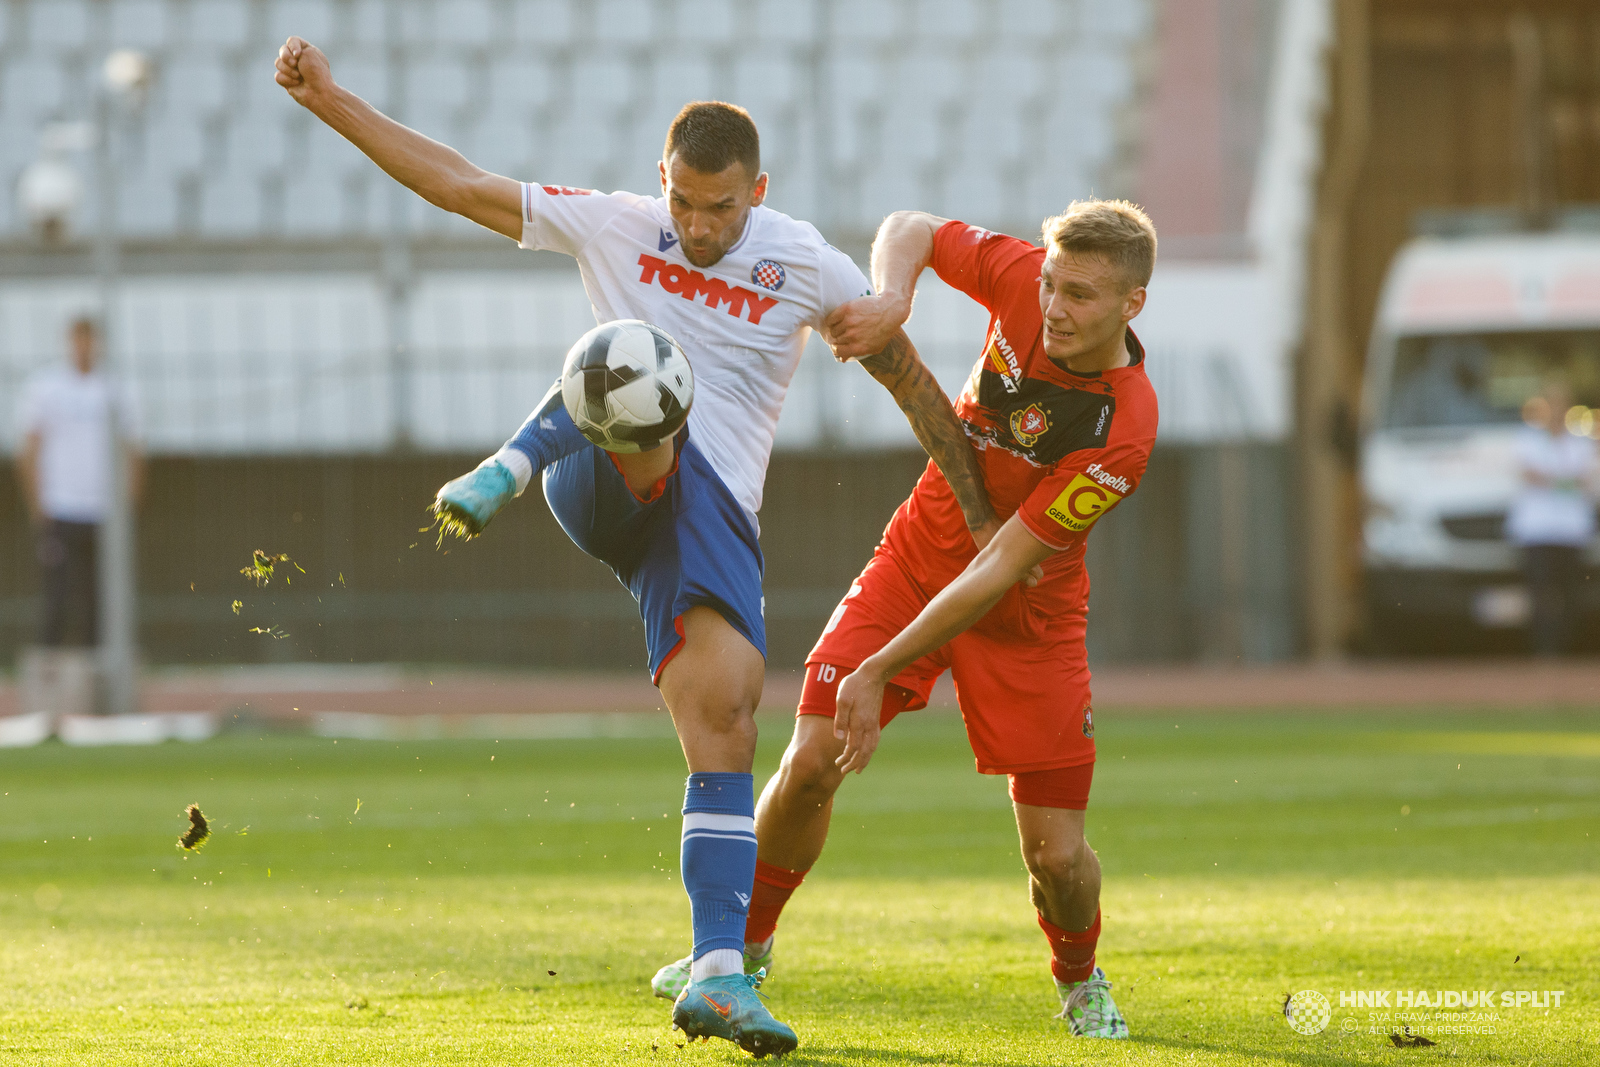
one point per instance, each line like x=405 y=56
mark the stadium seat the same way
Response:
x=140 y=24
x=543 y=24
x=215 y=25
x=59 y=24
x=936 y=104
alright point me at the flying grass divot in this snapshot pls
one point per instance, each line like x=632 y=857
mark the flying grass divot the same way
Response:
x=260 y=570
x=451 y=521
x=198 y=832
x=263 y=564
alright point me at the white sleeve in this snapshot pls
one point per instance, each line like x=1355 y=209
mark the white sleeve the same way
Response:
x=559 y=218
x=841 y=282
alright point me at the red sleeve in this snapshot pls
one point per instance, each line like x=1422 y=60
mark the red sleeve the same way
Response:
x=981 y=263
x=1083 y=487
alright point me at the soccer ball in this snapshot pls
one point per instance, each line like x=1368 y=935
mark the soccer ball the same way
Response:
x=627 y=386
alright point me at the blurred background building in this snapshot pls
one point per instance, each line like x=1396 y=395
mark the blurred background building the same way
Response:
x=315 y=350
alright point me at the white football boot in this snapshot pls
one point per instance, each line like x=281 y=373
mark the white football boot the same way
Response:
x=1088 y=1008
x=674 y=977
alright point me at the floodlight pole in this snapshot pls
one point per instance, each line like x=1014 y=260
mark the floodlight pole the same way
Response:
x=115 y=555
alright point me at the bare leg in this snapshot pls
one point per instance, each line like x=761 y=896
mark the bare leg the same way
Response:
x=792 y=815
x=712 y=687
x=1063 y=871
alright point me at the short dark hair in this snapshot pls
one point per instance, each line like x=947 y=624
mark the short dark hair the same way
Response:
x=710 y=136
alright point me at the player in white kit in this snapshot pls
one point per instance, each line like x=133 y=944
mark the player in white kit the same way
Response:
x=739 y=286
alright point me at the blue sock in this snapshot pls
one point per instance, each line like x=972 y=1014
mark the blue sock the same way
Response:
x=548 y=435
x=719 y=857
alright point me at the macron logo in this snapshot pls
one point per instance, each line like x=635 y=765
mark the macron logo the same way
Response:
x=744 y=898
x=667 y=241
x=691 y=284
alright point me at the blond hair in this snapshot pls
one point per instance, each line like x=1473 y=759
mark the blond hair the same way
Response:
x=1116 y=231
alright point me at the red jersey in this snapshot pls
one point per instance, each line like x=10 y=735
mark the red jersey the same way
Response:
x=1057 y=449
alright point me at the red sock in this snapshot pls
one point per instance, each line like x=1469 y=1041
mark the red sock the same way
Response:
x=1071 y=954
x=774 y=886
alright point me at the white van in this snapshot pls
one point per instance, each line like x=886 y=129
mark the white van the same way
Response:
x=1467 y=330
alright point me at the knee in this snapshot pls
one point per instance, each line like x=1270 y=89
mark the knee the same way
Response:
x=727 y=715
x=809 y=768
x=1057 y=865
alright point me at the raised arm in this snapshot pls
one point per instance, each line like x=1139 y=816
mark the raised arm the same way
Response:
x=1006 y=560
x=899 y=369
x=437 y=173
x=868 y=329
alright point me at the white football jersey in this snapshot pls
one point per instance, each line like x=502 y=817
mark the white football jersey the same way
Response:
x=743 y=322
x=72 y=414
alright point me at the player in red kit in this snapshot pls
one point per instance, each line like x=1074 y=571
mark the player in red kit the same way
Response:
x=1063 y=418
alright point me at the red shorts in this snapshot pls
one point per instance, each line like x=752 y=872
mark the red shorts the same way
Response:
x=1025 y=700
x=1059 y=787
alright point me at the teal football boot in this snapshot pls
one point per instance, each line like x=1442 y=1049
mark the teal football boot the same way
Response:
x=674 y=977
x=729 y=1007
x=465 y=505
x=1088 y=1008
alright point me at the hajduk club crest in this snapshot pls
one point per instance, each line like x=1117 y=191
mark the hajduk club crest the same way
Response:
x=769 y=274
x=1029 y=424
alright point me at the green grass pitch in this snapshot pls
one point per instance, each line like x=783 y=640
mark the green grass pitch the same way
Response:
x=506 y=903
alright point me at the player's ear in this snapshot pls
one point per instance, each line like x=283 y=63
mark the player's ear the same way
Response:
x=758 y=192
x=1133 y=303
x=661 y=166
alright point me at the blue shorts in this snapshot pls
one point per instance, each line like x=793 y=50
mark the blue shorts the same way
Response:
x=691 y=543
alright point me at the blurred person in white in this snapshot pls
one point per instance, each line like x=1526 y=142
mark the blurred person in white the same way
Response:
x=1552 y=518
x=69 y=412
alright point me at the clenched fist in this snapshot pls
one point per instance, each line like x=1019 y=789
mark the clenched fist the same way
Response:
x=862 y=327
x=303 y=70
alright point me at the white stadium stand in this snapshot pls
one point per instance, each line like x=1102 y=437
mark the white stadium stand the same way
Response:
x=279 y=296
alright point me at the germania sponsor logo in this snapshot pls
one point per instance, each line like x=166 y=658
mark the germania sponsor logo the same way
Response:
x=1109 y=480
x=691 y=284
x=1003 y=360
x=1029 y=424
x=1081 y=503
x=566 y=190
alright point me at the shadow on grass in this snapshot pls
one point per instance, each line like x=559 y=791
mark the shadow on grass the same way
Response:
x=1309 y=1057
x=851 y=1054
x=839 y=1055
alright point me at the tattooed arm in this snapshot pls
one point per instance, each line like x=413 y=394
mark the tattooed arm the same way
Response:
x=901 y=371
